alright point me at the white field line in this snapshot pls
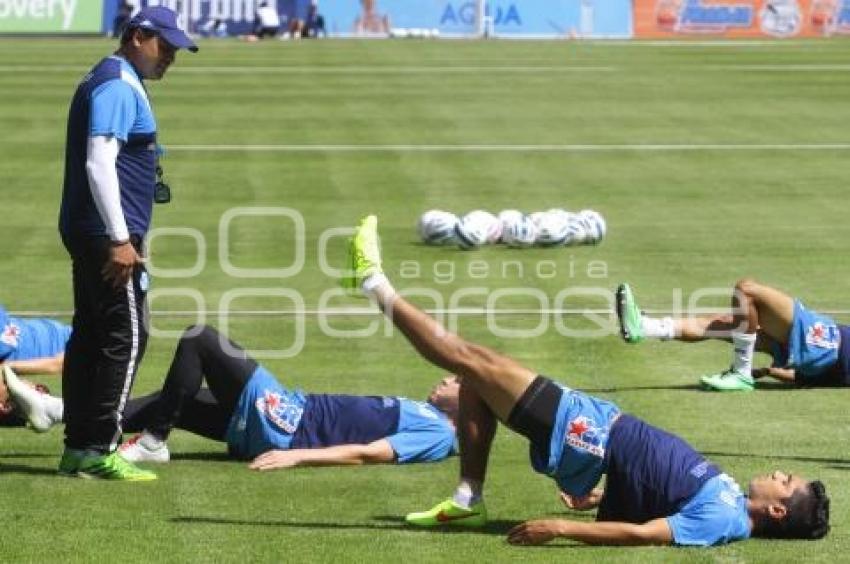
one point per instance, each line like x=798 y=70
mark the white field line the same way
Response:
x=447 y=69
x=360 y=312
x=548 y=148
x=339 y=70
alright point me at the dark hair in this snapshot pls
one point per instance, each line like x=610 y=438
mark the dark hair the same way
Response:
x=127 y=34
x=807 y=516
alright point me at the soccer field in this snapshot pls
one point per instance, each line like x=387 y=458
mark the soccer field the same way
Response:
x=710 y=162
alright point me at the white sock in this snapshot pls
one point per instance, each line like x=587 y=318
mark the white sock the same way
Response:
x=377 y=284
x=653 y=328
x=55 y=408
x=745 y=346
x=468 y=492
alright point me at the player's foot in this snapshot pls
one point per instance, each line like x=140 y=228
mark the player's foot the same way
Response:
x=144 y=447
x=69 y=464
x=364 y=254
x=449 y=513
x=39 y=409
x=629 y=314
x=729 y=381
x=112 y=467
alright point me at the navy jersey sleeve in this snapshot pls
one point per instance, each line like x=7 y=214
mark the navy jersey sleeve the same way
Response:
x=113 y=110
x=424 y=434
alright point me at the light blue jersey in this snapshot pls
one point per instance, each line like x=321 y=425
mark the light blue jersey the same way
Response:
x=424 y=434
x=717 y=514
x=579 y=439
x=269 y=416
x=111 y=101
x=27 y=339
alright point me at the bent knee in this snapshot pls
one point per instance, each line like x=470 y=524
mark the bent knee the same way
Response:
x=198 y=333
x=748 y=286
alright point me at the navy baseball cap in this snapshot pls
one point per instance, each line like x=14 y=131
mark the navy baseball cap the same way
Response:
x=163 y=21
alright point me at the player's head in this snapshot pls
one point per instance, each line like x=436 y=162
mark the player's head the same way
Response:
x=444 y=396
x=787 y=506
x=151 y=41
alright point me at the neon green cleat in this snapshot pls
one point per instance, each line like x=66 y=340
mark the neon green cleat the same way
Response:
x=364 y=254
x=629 y=314
x=729 y=381
x=69 y=464
x=112 y=467
x=449 y=513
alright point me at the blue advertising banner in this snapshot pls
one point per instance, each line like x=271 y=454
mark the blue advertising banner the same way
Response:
x=530 y=18
x=508 y=18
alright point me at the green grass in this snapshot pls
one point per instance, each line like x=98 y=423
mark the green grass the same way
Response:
x=684 y=219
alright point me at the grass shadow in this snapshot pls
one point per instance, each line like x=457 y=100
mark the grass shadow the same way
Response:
x=381 y=523
x=204 y=456
x=832 y=461
x=29 y=470
x=671 y=387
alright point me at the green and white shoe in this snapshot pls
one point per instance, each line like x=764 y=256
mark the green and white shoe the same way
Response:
x=69 y=464
x=449 y=513
x=112 y=467
x=629 y=315
x=364 y=254
x=729 y=381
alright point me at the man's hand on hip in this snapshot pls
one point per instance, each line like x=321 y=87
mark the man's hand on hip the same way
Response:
x=122 y=259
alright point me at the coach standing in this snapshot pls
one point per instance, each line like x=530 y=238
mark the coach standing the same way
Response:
x=107 y=200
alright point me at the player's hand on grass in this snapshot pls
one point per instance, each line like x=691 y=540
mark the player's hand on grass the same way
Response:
x=582 y=503
x=273 y=459
x=761 y=372
x=539 y=531
x=123 y=258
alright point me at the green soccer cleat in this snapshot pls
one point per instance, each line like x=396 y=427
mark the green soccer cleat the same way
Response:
x=112 y=467
x=629 y=314
x=364 y=254
x=729 y=381
x=69 y=464
x=449 y=513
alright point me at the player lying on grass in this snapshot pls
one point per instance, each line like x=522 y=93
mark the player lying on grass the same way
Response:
x=808 y=348
x=658 y=489
x=31 y=346
x=279 y=428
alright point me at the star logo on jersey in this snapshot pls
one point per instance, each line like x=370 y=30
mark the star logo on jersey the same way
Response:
x=280 y=410
x=578 y=427
x=583 y=434
x=823 y=336
x=11 y=334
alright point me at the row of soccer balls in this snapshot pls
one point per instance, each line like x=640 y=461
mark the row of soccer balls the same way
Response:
x=551 y=228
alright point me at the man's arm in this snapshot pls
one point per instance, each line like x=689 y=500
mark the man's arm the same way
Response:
x=542 y=531
x=376 y=452
x=49 y=365
x=786 y=375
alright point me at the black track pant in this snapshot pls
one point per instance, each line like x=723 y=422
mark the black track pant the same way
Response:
x=202 y=354
x=105 y=348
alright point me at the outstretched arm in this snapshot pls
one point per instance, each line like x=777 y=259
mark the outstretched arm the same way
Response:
x=542 y=531
x=50 y=365
x=786 y=375
x=376 y=452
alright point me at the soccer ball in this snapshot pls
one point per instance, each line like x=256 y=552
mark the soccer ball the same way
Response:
x=492 y=223
x=595 y=225
x=437 y=227
x=577 y=231
x=521 y=233
x=472 y=231
x=506 y=217
x=552 y=229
